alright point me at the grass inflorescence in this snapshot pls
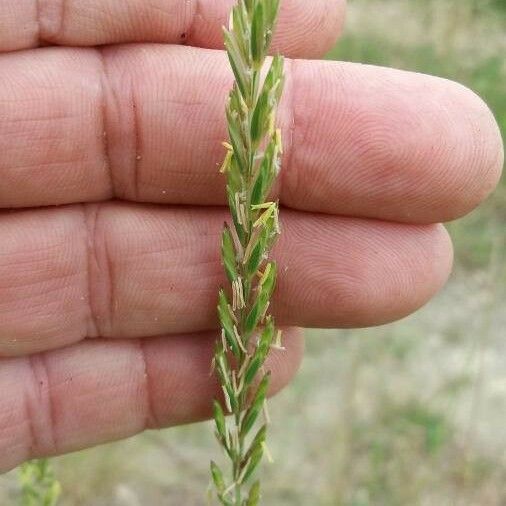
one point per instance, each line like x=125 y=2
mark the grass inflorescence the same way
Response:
x=251 y=165
x=39 y=486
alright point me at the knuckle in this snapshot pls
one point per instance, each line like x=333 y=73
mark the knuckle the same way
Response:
x=100 y=281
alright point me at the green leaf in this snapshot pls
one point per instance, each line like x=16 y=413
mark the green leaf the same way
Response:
x=255 y=459
x=266 y=338
x=261 y=392
x=272 y=9
x=260 y=118
x=235 y=179
x=261 y=302
x=249 y=5
x=261 y=351
x=237 y=141
x=269 y=282
x=234 y=403
x=218 y=479
x=38 y=484
x=258 y=192
x=221 y=362
x=256 y=250
x=249 y=420
x=253 y=369
x=219 y=418
x=258 y=35
x=53 y=494
x=265 y=176
x=239 y=18
x=254 y=495
x=227 y=323
x=251 y=415
x=228 y=254
x=237 y=62
x=267 y=101
x=233 y=211
x=275 y=79
x=258 y=441
x=254 y=317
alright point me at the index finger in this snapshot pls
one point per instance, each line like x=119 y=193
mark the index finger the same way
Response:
x=305 y=29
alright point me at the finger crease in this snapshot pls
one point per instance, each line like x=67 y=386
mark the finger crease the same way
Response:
x=52 y=30
x=105 y=87
x=100 y=301
x=292 y=126
x=137 y=145
x=191 y=14
x=151 y=420
x=40 y=410
x=38 y=22
x=63 y=16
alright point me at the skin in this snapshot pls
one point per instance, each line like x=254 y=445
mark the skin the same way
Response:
x=107 y=316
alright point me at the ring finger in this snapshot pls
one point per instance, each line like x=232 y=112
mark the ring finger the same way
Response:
x=129 y=270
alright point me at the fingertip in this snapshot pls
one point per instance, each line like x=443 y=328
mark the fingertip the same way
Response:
x=421 y=264
x=464 y=151
x=485 y=149
x=360 y=273
x=309 y=30
x=443 y=255
x=416 y=148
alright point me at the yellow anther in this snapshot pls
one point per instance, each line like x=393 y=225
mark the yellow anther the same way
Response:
x=265 y=205
x=278 y=343
x=267 y=453
x=265 y=275
x=267 y=214
x=226 y=163
x=272 y=124
x=279 y=140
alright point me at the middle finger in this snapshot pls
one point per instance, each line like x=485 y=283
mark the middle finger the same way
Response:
x=127 y=270
x=145 y=123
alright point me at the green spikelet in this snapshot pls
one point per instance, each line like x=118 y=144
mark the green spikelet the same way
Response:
x=39 y=486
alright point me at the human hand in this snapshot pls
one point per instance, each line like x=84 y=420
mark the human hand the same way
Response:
x=107 y=302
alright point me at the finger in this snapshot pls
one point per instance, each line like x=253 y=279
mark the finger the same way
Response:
x=99 y=391
x=359 y=140
x=129 y=271
x=304 y=29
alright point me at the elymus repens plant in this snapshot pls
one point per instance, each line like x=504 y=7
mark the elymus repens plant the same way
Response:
x=251 y=165
x=39 y=486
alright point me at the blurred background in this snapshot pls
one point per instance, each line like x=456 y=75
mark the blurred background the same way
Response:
x=413 y=413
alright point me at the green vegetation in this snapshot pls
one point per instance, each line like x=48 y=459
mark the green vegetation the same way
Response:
x=38 y=484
